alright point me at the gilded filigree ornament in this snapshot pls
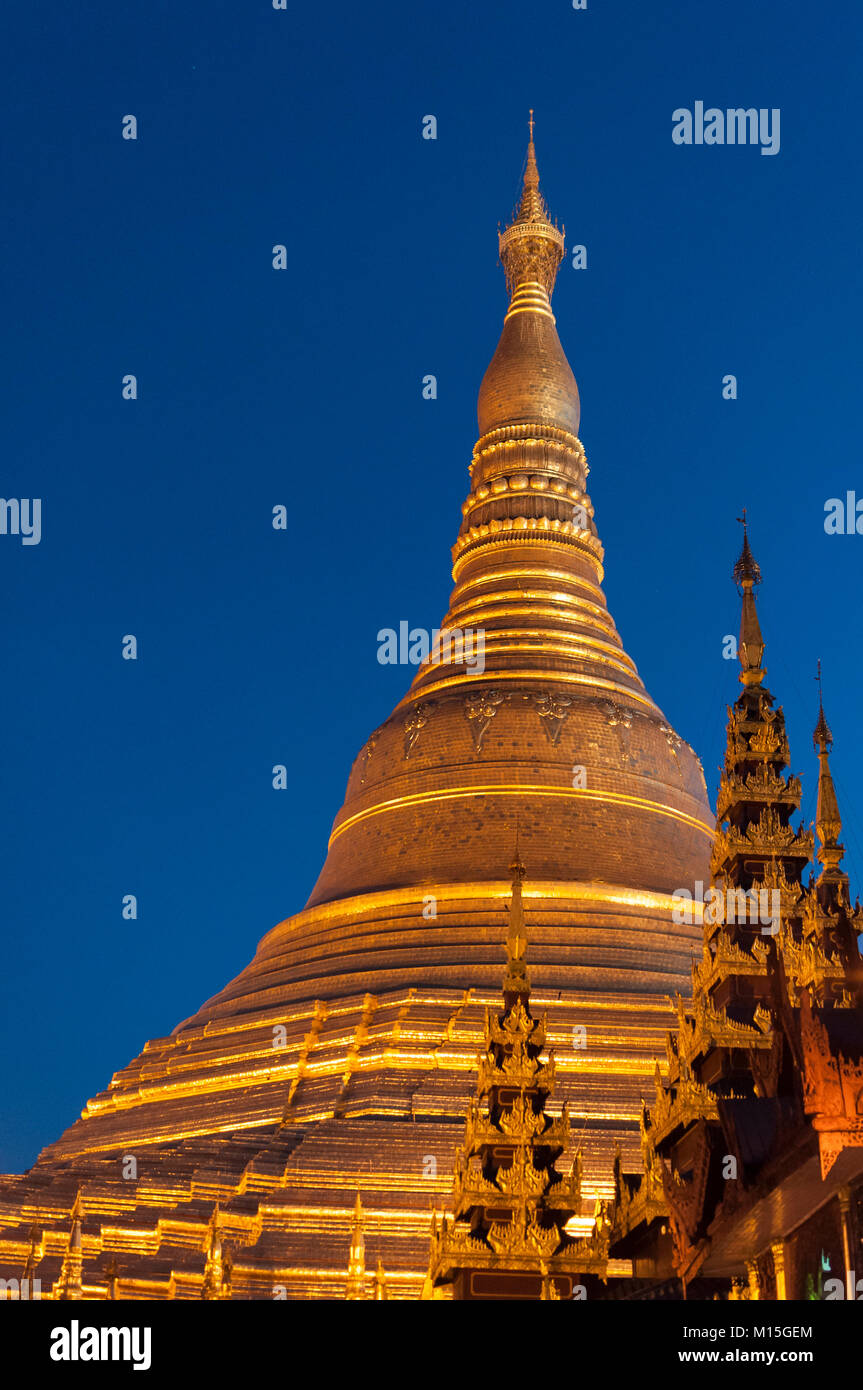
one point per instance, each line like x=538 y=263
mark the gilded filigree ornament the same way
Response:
x=368 y=750
x=553 y=710
x=480 y=709
x=415 y=723
x=523 y=1235
x=620 y=719
x=765 y=784
x=674 y=742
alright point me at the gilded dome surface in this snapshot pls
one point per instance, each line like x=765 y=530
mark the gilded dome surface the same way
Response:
x=529 y=378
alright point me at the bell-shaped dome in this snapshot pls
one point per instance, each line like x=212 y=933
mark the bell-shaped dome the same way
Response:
x=529 y=380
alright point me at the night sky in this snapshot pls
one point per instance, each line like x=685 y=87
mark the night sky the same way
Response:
x=303 y=388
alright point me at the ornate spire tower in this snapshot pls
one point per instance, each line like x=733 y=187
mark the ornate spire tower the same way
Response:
x=361 y=1015
x=765 y=1063
x=507 y=1238
x=830 y=926
x=70 y=1283
x=356 y=1283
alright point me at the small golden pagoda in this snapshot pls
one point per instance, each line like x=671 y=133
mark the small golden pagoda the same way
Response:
x=217 y=1270
x=70 y=1284
x=507 y=1238
x=356 y=1286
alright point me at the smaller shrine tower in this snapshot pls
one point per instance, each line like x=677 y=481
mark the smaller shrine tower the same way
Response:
x=507 y=1238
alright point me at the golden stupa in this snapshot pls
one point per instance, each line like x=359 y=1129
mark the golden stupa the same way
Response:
x=226 y=1159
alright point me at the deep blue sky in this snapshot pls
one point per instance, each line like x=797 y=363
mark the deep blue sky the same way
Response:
x=257 y=388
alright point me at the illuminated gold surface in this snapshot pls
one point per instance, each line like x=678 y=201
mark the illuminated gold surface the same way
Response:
x=382 y=1007
x=520 y=791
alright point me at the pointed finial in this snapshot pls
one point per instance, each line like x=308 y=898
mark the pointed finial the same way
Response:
x=746 y=569
x=822 y=737
x=71 y=1272
x=381 y=1281
x=516 y=978
x=214 y=1235
x=532 y=246
x=77 y=1219
x=750 y=648
x=32 y=1260
x=357 y=1255
x=828 y=821
x=215 y=1285
x=532 y=206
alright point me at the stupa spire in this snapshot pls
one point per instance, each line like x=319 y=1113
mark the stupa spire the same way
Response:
x=532 y=246
x=216 y=1269
x=381 y=1290
x=34 y=1255
x=532 y=206
x=828 y=821
x=516 y=979
x=357 y=1258
x=831 y=923
x=71 y=1284
x=751 y=645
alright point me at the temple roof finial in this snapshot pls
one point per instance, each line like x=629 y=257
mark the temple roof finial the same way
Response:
x=356 y=1284
x=516 y=978
x=750 y=648
x=828 y=821
x=70 y=1283
x=532 y=205
x=746 y=568
x=822 y=737
x=381 y=1290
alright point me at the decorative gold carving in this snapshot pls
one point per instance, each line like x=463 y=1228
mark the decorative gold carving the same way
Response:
x=510 y=1206
x=553 y=710
x=480 y=707
x=356 y=1283
x=764 y=784
x=767 y=837
x=523 y=1235
x=368 y=750
x=415 y=722
x=620 y=719
x=681 y=1105
x=832 y=1089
